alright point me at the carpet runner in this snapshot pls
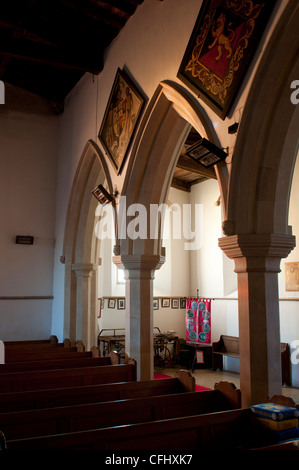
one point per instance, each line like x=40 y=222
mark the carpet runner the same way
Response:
x=158 y=375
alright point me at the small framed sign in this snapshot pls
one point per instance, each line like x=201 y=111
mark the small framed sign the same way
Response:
x=199 y=357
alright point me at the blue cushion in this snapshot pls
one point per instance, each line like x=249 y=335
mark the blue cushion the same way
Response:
x=275 y=412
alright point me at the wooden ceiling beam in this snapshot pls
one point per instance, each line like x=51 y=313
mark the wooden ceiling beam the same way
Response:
x=186 y=163
x=180 y=184
x=54 y=57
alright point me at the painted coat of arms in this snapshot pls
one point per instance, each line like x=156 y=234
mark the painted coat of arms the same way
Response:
x=221 y=47
x=121 y=118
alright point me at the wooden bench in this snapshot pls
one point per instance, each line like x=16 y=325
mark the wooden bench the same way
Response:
x=60 y=420
x=27 y=400
x=61 y=378
x=41 y=351
x=224 y=430
x=229 y=346
x=60 y=363
x=52 y=340
x=221 y=430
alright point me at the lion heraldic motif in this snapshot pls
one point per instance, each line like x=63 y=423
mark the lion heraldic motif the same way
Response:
x=223 y=41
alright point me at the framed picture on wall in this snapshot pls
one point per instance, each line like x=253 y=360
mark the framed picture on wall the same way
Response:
x=122 y=115
x=174 y=303
x=222 y=45
x=183 y=303
x=165 y=302
x=111 y=303
x=156 y=304
x=121 y=304
x=291 y=276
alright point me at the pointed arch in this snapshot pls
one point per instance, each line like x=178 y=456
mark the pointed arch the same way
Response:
x=267 y=142
x=167 y=122
x=81 y=247
x=157 y=146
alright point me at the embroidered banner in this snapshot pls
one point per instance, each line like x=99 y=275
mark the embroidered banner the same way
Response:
x=198 y=321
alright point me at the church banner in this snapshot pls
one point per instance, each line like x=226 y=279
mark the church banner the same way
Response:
x=198 y=321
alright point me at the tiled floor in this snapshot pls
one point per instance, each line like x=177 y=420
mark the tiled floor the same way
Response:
x=207 y=378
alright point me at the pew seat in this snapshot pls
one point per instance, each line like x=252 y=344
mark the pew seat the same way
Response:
x=61 y=378
x=39 y=399
x=60 y=363
x=16 y=425
x=223 y=430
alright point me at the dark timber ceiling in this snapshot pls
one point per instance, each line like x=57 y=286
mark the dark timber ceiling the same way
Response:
x=187 y=171
x=47 y=45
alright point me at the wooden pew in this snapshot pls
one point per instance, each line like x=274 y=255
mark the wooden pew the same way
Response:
x=61 y=378
x=35 y=346
x=67 y=353
x=60 y=363
x=41 y=351
x=52 y=340
x=60 y=420
x=222 y=431
x=225 y=430
x=29 y=400
x=229 y=346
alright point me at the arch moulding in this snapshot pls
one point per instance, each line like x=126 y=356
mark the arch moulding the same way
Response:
x=257 y=232
x=162 y=133
x=165 y=126
x=81 y=247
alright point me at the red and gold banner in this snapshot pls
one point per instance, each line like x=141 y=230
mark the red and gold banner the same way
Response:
x=198 y=321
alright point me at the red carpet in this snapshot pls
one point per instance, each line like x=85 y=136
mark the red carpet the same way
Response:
x=157 y=376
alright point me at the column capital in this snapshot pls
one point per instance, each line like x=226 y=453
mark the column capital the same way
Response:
x=138 y=261
x=257 y=252
x=84 y=269
x=145 y=264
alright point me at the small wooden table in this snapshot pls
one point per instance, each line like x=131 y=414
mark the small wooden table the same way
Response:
x=112 y=342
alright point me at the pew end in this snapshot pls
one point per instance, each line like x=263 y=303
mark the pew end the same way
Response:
x=115 y=358
x=283 y=400
x=231 y=393
x=187 y=380
x=53 y=339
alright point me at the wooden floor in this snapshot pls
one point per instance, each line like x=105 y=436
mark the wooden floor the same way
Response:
x=207 y=378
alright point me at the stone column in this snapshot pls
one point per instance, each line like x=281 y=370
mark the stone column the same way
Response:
x=257 y=263
x=84 y=273
x=139 y=274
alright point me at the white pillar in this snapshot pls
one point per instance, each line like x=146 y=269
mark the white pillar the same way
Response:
x=139 y=326
x=257 y=263
x=84 y=315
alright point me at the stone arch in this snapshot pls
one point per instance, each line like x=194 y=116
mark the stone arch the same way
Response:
x=81 y=247
x=267 y=143
x=162 y=133
x=257 y=234
x=169 y=117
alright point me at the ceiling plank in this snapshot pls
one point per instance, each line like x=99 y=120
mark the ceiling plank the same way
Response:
x=180 y=184
x=33 y=52
x=188 y=164
x=47 y=45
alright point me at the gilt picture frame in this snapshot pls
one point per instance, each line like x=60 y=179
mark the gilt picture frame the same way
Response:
x=122 y=115
x=291 y=276
x=220 y=49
